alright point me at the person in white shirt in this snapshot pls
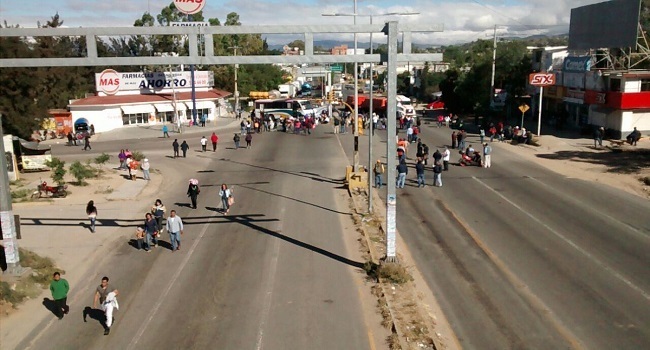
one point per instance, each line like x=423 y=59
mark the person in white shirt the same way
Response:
x=204 y=143
x=445 y=158
x=375 y=122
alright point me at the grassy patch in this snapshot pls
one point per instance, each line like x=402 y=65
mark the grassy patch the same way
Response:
x=394 y=273
x=42 y=267
x=645 y=180
x=21 y=194
x=104 y=190
x=30 y=285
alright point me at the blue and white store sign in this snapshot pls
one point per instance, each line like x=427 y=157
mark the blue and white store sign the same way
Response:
x=579 y=64
x=110 y=82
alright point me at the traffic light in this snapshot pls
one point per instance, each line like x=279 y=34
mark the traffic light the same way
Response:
x=330 y=96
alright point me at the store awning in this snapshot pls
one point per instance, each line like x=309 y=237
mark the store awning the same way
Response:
x=137 y=109
x=168 y=107
x=201 y=104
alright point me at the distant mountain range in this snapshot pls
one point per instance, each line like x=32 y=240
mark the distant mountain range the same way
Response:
x=328 y=44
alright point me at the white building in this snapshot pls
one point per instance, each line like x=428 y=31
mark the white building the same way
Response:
x=137 y=98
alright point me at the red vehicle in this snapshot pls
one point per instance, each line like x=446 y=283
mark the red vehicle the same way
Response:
x=55 y=191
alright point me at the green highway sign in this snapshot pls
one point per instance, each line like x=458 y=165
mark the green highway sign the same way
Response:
x=337 y=68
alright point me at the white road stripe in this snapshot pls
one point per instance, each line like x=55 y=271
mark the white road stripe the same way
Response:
x=268 y=287
x=568 y=241
x=163 y=297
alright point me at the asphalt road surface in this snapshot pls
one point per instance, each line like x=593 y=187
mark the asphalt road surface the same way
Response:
x=522 y=258
x=276 y=273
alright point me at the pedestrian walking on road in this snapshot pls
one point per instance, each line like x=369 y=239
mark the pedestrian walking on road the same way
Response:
x=193 y=191
x=419 y=170
x=437 y=156
x=454 y=139
x=487 y=153
x=446 y=154
x=236 y=138
x=150 y=231
x=204 y=144
x=59 y=288
x=175 y=229
x=122 y=157
x=379 y=170
x=598 y=137
x=214 y=138
x=226 y=198
x=481 y=134
x=145 y=169
x=437 y=175
x=402 y=171
x=461 y=139
x=184 y=148
x=106 y=295
x=158 y=210
x=87 y=142
x=91 y=211
x=165 y=131
x=175 y=146
x=249 y=140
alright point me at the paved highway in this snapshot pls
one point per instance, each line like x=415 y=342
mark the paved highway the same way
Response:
x=522 y=258
x=282 y=271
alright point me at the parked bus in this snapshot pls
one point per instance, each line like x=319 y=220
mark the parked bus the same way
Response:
x=284 y=107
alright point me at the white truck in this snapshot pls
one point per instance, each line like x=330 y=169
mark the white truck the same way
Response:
x=287 y=90
x=405 y=107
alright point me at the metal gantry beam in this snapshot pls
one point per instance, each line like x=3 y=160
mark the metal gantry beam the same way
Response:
x=207 y=56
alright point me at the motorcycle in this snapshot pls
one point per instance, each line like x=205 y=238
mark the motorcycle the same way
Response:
x=60 y=191
x=466 y=160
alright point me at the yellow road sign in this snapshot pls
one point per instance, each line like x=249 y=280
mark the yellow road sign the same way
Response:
x=523 y=108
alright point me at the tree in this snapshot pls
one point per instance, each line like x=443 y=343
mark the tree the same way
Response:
x=297 y=43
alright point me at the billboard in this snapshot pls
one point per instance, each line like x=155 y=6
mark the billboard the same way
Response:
x=111 y=82
x=607 y=24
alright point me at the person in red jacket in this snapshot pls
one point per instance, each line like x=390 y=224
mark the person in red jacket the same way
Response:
x=214 y=138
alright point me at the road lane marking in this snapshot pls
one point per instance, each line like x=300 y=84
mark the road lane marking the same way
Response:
x=268 y=287
x=570 y=242
x=519 y=284
x=631 y=228
x=163 y=297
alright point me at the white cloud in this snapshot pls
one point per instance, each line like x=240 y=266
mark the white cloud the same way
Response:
x=464 y=20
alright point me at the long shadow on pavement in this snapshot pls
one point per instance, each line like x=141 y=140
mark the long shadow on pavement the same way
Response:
x=623 y=162
x=310 y=176
x=251 y=224
x=294 y=199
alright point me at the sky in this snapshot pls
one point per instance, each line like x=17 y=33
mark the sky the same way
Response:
x=463 y=20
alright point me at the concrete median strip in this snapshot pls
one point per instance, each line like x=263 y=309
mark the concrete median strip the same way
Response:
x=401 y=304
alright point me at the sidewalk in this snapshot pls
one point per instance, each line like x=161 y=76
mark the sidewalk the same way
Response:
x=67 y=239
x=155 y=131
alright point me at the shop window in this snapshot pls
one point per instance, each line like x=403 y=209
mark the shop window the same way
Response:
x=645 y=84
x=125 y=119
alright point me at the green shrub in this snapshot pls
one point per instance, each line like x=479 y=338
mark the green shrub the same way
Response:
x=10 y=295
x=138 y=156
x=42 y=267
x=102 y=159
x=20 y=194
x=81 y=172
x=57 y=167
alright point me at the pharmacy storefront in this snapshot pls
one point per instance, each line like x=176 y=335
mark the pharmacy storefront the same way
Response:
x=146 y=98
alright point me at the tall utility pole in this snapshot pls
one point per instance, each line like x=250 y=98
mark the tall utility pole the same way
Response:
x=391 y=147
x=356 y=100
x=494 y=63
x=9 y=239
x=372 y=131
x=236 y=90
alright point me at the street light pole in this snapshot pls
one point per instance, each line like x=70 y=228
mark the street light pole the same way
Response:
x=236 y=90
x=372 y=131
x=356 y=99
x=494 y=63
x=9 y=239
